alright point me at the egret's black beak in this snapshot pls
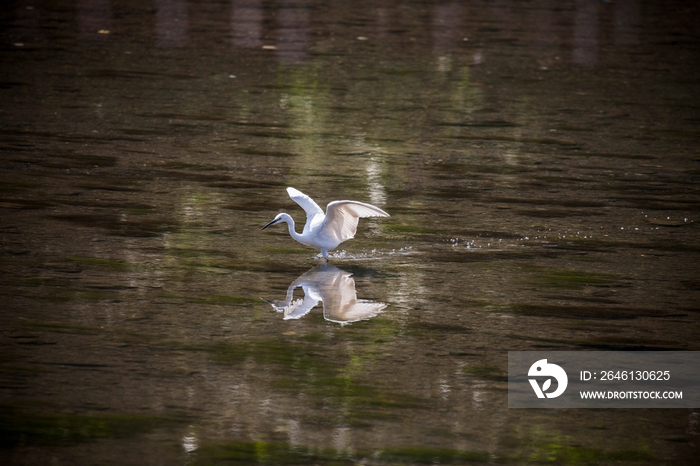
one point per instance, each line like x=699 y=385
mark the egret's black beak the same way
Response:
x=270 y=224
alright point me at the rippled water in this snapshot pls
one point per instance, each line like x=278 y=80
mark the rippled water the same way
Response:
x=538 y=159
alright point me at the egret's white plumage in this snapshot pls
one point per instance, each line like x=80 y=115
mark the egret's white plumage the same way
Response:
x=326 y=231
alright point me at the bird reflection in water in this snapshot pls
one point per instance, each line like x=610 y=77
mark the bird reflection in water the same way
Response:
x=335 y=288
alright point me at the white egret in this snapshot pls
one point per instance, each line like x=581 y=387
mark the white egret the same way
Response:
x=335 y=288
x=326 y=231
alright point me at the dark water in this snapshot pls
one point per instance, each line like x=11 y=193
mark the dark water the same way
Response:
x=539 y=161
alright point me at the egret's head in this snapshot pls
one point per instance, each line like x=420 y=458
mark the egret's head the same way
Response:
x=276 y=220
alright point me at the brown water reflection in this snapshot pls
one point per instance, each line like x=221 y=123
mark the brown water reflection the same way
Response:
x=539 y=162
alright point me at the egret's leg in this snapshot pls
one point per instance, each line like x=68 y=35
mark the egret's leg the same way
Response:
x=325 y=254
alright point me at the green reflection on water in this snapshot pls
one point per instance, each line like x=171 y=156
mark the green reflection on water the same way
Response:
x=336 y=379
x=25 y=427
x=279 y=453
x=555 y=453
x=548 y=448
x=260 y=452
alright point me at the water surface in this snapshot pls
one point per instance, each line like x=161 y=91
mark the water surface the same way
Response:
x=538 y=159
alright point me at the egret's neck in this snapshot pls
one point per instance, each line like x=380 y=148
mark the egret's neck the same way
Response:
x=292 y=231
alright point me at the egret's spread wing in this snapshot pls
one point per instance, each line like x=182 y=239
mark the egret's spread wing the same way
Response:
x=300 y=307
x=341 y=219
x=340 y=303
x=306 y=203
x=359 y=310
